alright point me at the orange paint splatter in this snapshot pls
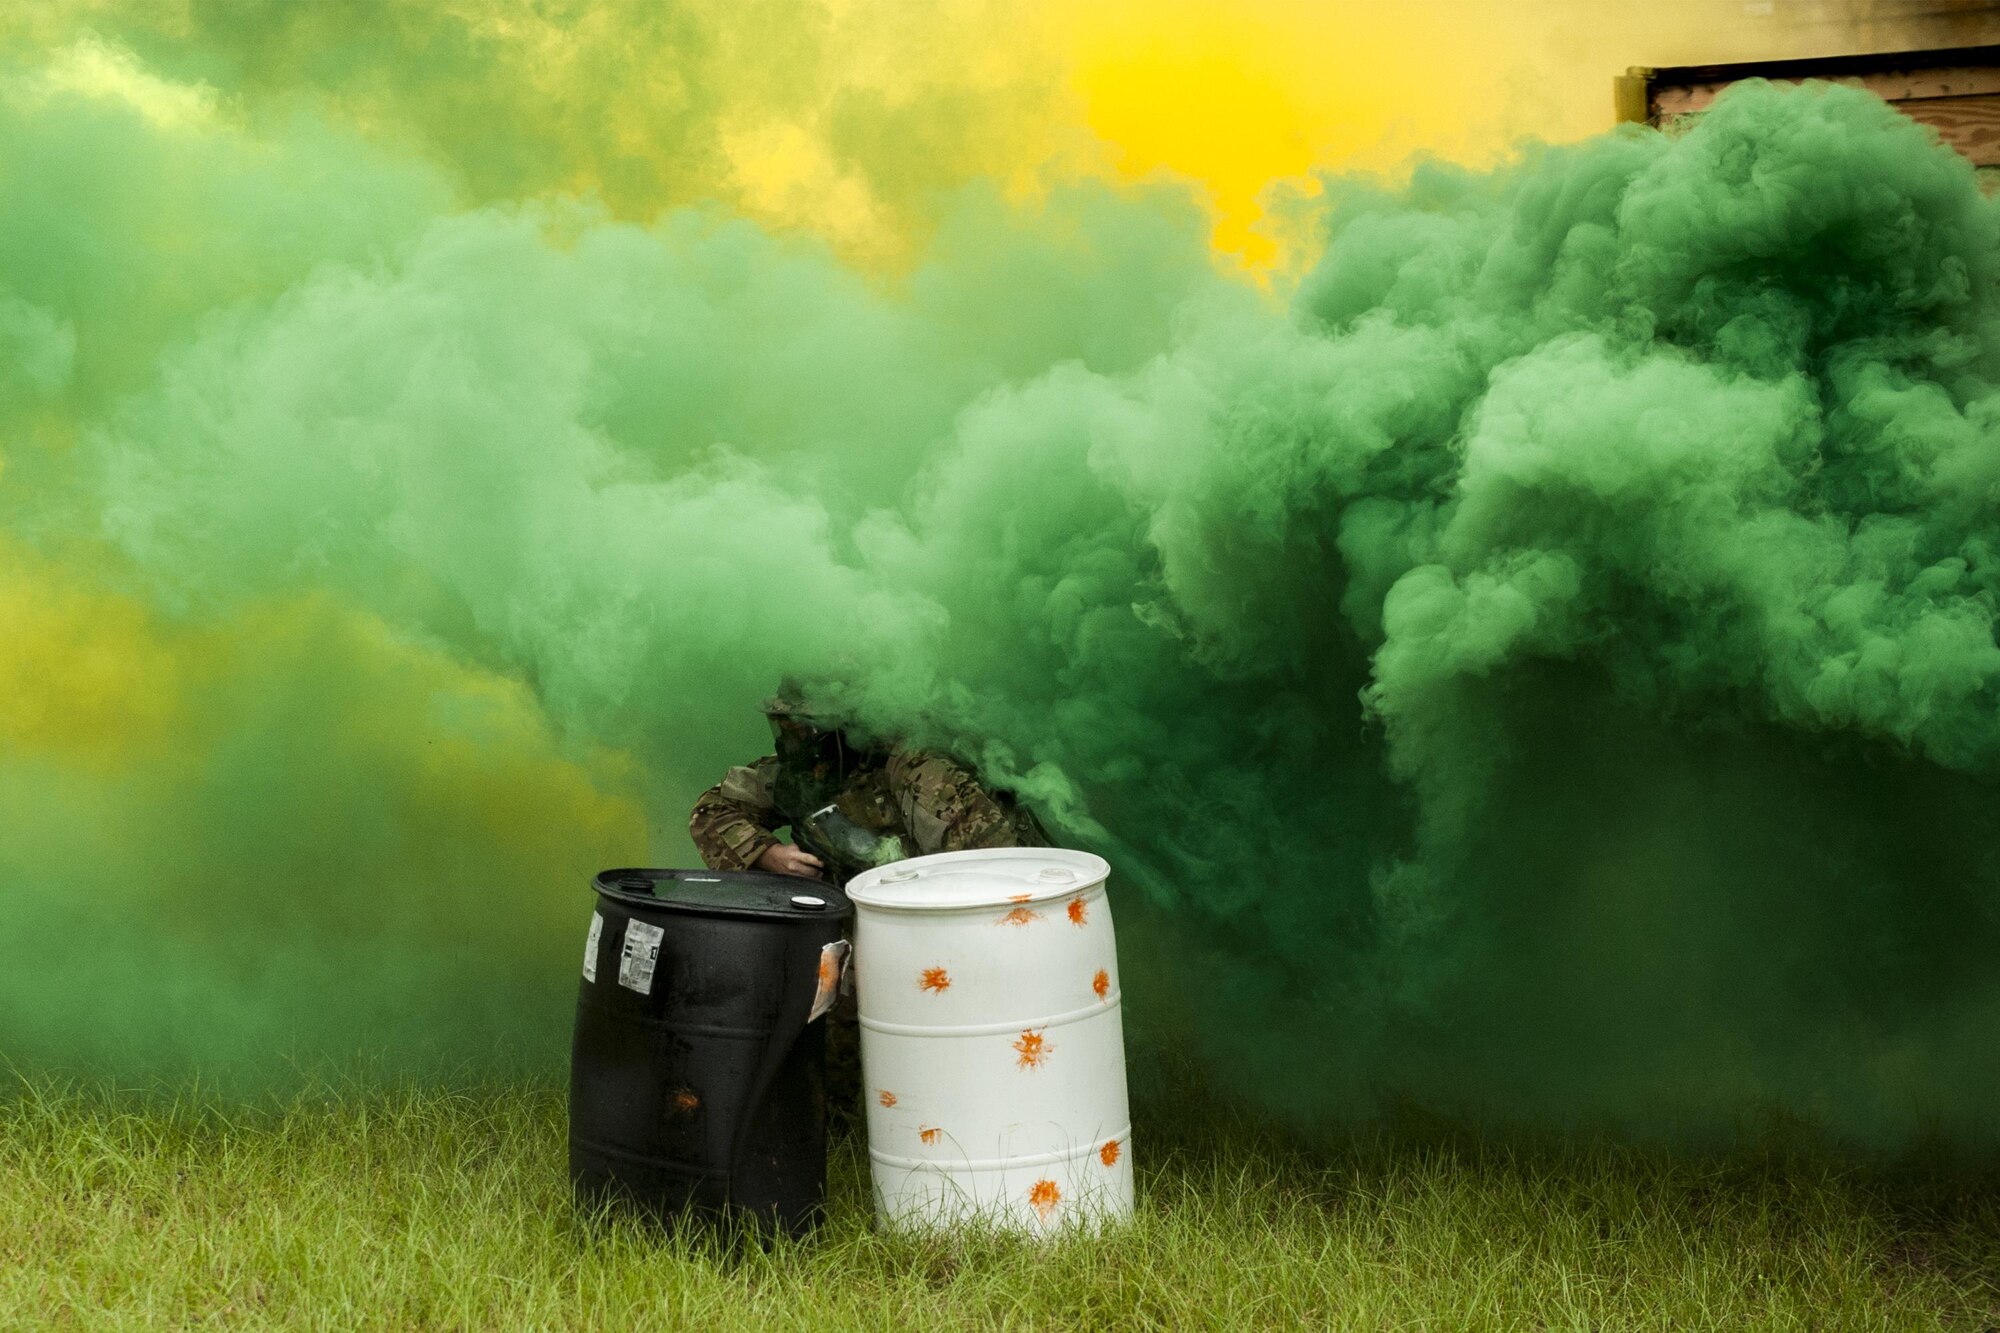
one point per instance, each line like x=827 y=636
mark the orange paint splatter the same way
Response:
x=886 y=1097
x=1108 y=1154
x=1034 y=1049
x=1101 y=983
x=684 y=1100
x=1020 y=897
x=929 y=1134
x=1078 y=914
x=935 y=979
x=829 y=973
x=1020 y=916
x=1044 y=1196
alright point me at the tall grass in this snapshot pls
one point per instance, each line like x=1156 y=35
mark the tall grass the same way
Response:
x=425 y=1208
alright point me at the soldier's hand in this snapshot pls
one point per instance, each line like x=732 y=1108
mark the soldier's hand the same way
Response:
x=784 y=859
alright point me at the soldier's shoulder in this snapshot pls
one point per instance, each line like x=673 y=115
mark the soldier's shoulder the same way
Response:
x=926 y=766
x=751 y=783
x=945 y=784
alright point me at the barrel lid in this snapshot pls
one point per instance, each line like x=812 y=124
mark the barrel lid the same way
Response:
x=987 y=877
x=722 y=893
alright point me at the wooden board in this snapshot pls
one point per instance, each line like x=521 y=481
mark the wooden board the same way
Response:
x=1665 y=101
x=1955 y=91
x=1969 y=124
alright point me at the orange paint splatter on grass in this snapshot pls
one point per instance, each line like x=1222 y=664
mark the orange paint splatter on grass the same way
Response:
x=1020 y=916
x=935 y=979
x=1034 y=1049
x=929 y=1134
x=1078 y=914
x=1044 y=1196
x=886 y=1097
x=1108 y=1154
x=1101 y=983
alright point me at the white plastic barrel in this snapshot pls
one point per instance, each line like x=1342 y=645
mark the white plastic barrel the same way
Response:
x=992 y=1053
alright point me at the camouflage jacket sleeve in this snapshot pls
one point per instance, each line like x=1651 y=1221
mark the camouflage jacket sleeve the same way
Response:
x=944 y=807
x=732 y=822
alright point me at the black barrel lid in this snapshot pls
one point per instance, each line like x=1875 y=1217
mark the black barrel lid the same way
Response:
x=723 y=893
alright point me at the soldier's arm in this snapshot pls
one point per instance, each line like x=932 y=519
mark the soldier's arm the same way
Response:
x=944 y=806
x=732 y=823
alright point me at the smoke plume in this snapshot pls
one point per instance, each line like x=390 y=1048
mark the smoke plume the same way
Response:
x=1544 y=668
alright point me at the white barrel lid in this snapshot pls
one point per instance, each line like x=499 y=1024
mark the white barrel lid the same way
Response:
x=986 y=877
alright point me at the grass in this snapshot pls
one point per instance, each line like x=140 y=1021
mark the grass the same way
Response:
x=420 y=1209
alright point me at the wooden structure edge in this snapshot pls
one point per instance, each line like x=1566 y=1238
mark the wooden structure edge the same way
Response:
x=1953 y=89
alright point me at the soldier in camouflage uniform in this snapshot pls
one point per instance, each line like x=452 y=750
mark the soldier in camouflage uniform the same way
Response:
x=849 y=807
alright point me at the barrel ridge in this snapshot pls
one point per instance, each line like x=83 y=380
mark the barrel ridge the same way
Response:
x=1106 y=1005
x=942 y=1161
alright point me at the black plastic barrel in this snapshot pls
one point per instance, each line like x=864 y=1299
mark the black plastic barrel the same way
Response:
x=697 y=1078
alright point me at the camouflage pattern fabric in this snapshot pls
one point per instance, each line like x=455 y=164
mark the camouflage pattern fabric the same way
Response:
x=734 y=820
x=927 y=800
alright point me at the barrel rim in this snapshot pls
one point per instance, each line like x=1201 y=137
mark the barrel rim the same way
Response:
x=868 y=889
x=837 y=908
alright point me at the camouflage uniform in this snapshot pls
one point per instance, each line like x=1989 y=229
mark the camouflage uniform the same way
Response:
x=916 y=801
x=922 y=799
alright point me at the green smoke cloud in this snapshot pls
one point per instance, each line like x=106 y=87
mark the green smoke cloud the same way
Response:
x=641 y=104
x=1546 y=672
x=308 y=472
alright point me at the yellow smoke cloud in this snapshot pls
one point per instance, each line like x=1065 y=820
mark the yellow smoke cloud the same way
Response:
x=850 y=119
x=314 y=838
x=305 y=826
x=231 y=150
x=93 y=681
x=1239 y=95
x=84 y=676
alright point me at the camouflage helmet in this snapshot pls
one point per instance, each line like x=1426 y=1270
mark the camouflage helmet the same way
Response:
x=795 y=700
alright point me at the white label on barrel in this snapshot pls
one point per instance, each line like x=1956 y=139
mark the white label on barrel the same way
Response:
x=832 y=968
x=642 y=954
x=590 y=947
